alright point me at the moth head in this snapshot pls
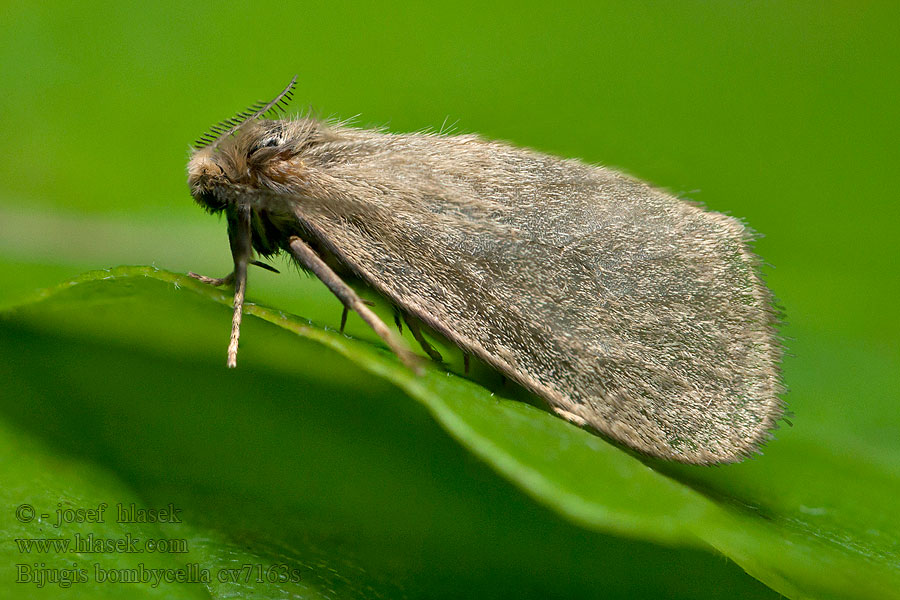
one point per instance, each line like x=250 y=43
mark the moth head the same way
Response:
x=206 y=178
x=231 y=152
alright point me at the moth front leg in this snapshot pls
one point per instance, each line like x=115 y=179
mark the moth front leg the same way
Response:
x=308 y=258
x=229 y=279
x=214 y=281
x=240 y=239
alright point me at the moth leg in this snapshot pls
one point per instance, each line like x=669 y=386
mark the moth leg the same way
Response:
x=214 y=281
x=465 y=362
x=241 y=250
x=229 y=279
x=346 y=310
x=265 y=266
x=397 y=321
x=413 y=326
x=309 y=259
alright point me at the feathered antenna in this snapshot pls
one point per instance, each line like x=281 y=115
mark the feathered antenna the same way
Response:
x=229 y=126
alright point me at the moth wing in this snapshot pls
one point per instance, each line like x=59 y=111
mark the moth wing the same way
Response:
x=630 y=311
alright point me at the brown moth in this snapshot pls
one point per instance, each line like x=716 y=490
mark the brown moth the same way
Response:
x=631 y=312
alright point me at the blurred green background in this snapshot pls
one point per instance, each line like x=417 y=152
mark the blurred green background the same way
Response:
x=784 y=114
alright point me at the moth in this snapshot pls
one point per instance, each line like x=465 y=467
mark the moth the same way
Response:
x=631 y=312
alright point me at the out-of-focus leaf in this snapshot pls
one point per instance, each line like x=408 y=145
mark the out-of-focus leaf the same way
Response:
x=818 y=539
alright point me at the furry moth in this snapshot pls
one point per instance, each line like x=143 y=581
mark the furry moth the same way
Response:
x=631 y=312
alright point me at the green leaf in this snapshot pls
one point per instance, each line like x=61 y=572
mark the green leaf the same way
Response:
x=309 y=456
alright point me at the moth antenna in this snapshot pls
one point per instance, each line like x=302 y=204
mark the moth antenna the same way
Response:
x=240 y=252
x=229 y=126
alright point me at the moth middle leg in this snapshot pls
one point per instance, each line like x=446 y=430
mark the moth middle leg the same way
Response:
x=308 y=258
x=346 y=311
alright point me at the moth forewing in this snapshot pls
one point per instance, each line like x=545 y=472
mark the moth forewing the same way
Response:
x=629 y=311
